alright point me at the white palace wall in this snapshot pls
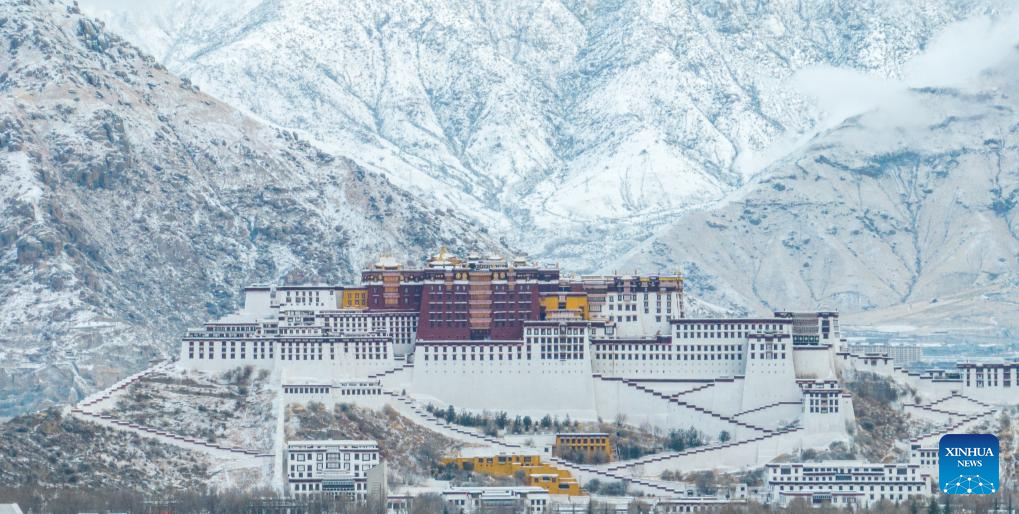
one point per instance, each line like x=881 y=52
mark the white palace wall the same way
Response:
x=615 y=399
x=714 y=376
x=365 y=393
x=812 y=361
x=770 y=380
x=722 y=396
x=516 y=377
x=526 y=384
x=776 y=415
x=311 y=359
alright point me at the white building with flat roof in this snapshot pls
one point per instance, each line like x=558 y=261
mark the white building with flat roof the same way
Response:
x=337 y=467
x=926 y=457
x=845 y=483
x=468 y=500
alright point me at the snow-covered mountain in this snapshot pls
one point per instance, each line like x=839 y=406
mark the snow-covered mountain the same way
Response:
x=571 y=128
x=904 y=215
x=134 y=206
x=783 y=154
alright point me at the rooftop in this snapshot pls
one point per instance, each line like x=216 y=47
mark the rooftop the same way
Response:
x=494 y=489
x=334 y=442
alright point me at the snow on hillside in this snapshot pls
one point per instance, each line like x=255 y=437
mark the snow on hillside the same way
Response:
x=134 y=206
x=902 y=215
x=572 y=129
x=602 y=136
x=52 y=450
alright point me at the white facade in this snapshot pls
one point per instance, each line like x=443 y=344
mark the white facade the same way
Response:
x=468 y=500
x=336 y=467
x=845 y=483
x=826 y=406
x=548 y=372
x=326 y=343
x=927 y=458
x=994 y=382
x=731 y=375
x=401 y=327
x=367 y=393
x=312 y=298
x=743 y=377
x=641 y=313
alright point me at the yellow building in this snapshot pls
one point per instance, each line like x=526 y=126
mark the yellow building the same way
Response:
x=535 y=473
x=554 y=305
x=354 y=298
x=590 y=444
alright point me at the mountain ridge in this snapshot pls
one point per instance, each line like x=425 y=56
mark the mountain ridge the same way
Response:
x=572 y=129
x=136 y=206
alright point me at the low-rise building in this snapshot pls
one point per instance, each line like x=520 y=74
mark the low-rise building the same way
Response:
x=337 y=467
x=845 y=483
x=399 y=504
x=593 y=446
x=681 y=504
x=467 y=500
x=690 y=502
x=902 y=353
x=927 y=458
x=535 y=472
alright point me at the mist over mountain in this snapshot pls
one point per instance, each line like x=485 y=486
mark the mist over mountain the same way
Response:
x=904 y=215
x=768 y=150
x=572 y=129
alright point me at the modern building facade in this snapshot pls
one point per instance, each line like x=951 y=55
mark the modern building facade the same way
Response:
x=469 y=500
x=845 y=483
x=350 y=468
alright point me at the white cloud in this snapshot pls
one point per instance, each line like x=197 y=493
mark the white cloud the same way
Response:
x=842 y=93
x=956 y=57
x=959 y=54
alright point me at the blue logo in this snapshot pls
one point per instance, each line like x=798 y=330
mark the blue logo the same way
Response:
x=968 y=464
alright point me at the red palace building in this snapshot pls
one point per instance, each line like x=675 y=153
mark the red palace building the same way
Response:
x=476 y=299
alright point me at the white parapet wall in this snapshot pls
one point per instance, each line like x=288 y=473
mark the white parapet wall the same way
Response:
x=814 y=361
x=523 y=386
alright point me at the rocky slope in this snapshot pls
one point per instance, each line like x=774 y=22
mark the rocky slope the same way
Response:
x=51 y=450
x=724 y=139
x=574 y=128
x=904 y=215
x=602 y=135
x=134 y=205
x=233 y=409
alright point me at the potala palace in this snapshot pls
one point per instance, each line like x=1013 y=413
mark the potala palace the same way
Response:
x=487 y=334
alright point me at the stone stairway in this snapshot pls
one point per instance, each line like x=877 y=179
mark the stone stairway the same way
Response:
x=124 y=383
x=762 y=407
x=698 y=450
x=191 y=443
x=676 y=401
x=444 y=427
x=953 y=427
x=87 y=410
x=409 y=365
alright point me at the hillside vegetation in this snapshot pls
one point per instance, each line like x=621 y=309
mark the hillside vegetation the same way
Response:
x=51 y=450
